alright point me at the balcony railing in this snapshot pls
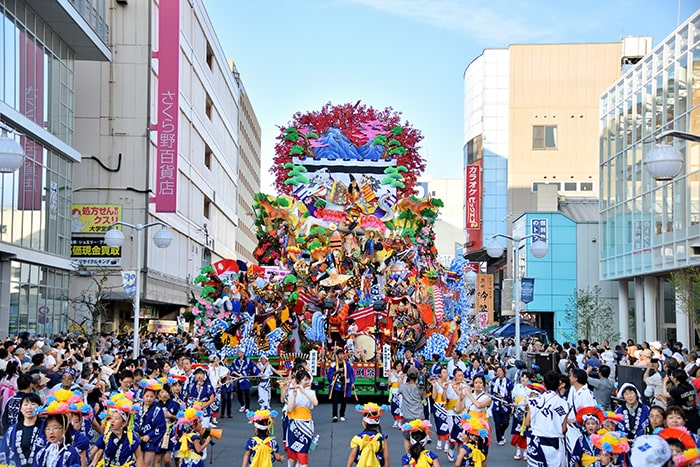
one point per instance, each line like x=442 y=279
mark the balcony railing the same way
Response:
x=94 y=12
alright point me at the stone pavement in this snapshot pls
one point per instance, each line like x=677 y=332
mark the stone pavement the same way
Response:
x=333 y=447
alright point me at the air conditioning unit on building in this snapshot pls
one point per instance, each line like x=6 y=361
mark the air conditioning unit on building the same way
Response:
x=634 y=48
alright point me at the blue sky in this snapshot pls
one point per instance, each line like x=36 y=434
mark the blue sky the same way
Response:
x=406 y=54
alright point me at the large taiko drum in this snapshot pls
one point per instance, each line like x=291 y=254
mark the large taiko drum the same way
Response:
x=365 y=347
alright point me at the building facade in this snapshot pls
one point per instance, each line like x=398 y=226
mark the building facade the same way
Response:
x=41 y=43
x=531 y=123
x=162 y=123
x=651 y=229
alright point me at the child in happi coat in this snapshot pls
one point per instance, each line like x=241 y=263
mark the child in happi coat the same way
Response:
x=201 y=393
x=59 y=450
x=612 y=421
x=369 y=447
x=419 y=436
x=613 y=447
x=80 y=440
x=150 y=422
x=119 y=445
x=193 y=438
x=170 y=410
x=679 y=439
x=584 y=453
x=262 y=450
x=471 y=452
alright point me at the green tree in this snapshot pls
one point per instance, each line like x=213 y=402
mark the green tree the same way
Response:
x=593 y=316
x=686 y=285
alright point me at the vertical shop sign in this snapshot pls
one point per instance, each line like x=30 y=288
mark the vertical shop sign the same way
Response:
x=168 y=104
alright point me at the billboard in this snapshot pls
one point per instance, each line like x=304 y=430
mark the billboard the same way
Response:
x=92 y=251
x=484 y=295
x=94 y=218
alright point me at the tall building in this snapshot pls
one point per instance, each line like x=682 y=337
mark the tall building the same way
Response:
x=248 y=173
x=166 y=130
x=531 y=122
x=41 y=42
x=651 y=229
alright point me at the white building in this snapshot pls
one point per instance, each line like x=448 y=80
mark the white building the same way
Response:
x=171 y=139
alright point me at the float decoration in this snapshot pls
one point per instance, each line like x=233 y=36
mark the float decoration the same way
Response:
x=345 y=242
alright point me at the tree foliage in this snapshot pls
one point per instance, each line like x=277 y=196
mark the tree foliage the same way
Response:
x=593 y=316
x=686 y=283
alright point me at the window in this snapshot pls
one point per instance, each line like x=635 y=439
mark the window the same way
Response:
x=210 y=56
x=208 y=106
x=544 y=137
x=207 y=207
x=586 y=186
x=570 y=186
x=537 y=185
x=207 y=157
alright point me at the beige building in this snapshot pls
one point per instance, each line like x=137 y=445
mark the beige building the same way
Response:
x=248 y=173
x=162 y=146
x=532 y=120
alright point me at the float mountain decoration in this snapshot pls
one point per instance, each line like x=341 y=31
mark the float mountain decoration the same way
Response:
x=345 y=252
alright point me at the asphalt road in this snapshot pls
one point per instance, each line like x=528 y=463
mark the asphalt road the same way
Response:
x=334 y=443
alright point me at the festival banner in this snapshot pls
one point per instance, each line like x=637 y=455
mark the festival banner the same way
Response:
x=129 y=279
x=168 y=105
x=527 y=289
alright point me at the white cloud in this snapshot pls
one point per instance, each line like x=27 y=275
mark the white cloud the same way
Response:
x=495 y=24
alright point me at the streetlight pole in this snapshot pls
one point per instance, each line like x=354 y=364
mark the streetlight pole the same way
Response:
x=538 y=249
x=115 y=238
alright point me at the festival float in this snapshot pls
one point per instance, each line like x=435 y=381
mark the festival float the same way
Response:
x=345 y=252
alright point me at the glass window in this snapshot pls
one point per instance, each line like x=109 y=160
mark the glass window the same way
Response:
x=586 y=186
x=544 y=137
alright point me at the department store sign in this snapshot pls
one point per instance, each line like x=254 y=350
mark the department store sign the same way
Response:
x=92 y=251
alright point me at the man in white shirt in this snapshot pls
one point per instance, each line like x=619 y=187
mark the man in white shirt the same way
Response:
x=546 y=415
x=454 y=363
x=579 y=396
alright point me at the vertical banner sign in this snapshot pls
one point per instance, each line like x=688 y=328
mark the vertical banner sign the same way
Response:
x=168 y=104
x=527 y=289
x=484 y=295
x=473 y=188
x=31 y=105
x=129 y=281
x=539 y=227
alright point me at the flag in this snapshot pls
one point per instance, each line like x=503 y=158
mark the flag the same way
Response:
x=367 y=317
x=225 y=265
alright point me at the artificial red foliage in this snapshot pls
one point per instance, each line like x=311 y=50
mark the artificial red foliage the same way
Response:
x=350 y=119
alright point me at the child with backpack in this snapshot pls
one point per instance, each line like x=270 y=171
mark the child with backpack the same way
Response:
x=369 y=447
x=262 y=449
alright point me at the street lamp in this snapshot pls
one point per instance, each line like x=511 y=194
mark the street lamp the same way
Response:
x=115 y=238
x=664 y=162
x=11 y=153
x=538 y=248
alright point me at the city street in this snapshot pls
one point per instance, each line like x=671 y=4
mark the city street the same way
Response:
x=333 y=447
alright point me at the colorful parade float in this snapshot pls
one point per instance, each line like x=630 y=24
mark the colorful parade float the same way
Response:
x=345 y=253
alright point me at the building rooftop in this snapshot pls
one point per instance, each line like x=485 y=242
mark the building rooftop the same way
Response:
x=581 y=211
